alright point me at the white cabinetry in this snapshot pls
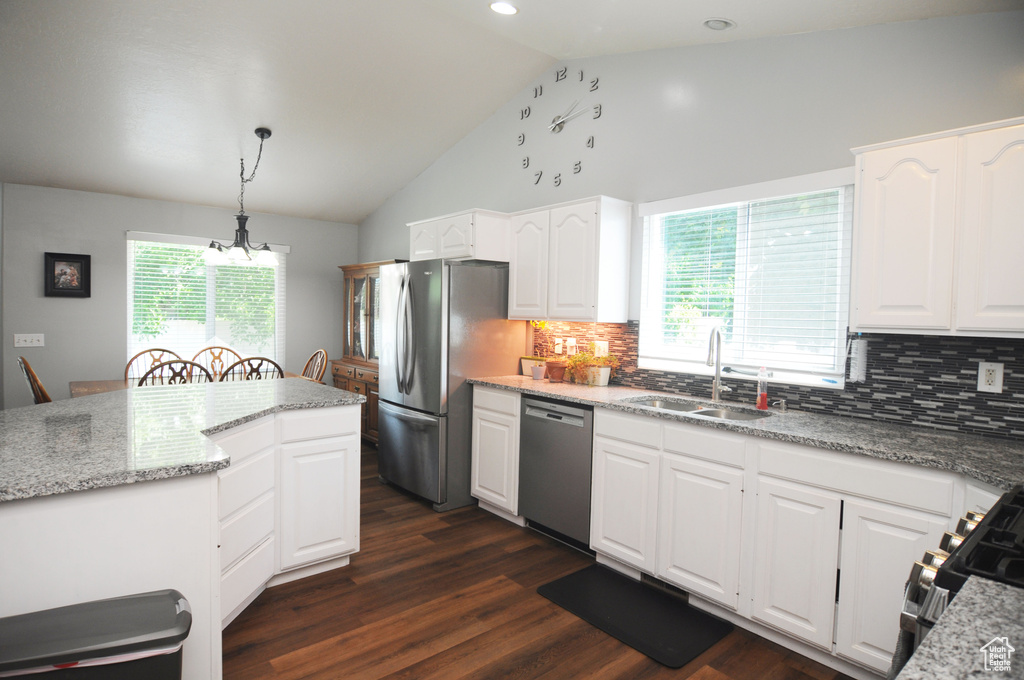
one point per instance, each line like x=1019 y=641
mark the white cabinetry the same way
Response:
x=495 y=442
x=624 y=505
x=478 y=234
x=570 y=262
x=797 y=537
x=939 y=234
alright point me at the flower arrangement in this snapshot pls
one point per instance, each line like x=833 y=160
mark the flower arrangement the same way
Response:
x=584 y=368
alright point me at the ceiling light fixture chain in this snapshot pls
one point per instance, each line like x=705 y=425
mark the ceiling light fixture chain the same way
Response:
x=263 y=134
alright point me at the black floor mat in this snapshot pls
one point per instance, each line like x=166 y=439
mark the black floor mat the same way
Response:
x=656 y=624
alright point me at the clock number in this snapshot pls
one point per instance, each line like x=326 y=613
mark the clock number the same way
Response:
x=522 y=139
x=597 y=111
x=590 y=142
x=526 y=162
x=577 y=166
x=560 y=74
x=593 y=85
x=581 y=75
x=538 y=91
x=538 y=175
x=558 y=180
x=524 y=113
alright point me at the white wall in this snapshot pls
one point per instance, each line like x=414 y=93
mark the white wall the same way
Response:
x=683 y=121
x=86 y=339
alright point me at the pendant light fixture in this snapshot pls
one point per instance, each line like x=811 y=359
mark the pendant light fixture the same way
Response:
x=241 y=251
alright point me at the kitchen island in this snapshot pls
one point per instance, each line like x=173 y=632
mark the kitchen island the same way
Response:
x=119 y=493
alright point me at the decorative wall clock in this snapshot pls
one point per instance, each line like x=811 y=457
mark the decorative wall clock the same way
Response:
x=556 y=138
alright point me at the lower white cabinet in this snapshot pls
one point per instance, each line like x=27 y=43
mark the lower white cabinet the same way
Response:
x=699 y=527
x=624 y=505
x=797 y=549
x=495 y=448
x=879 y=545
x=318 y=518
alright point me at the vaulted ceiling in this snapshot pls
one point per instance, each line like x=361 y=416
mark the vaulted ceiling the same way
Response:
x=159 y=99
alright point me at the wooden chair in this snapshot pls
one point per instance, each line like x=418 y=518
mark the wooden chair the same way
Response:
x=175 y=372
x=145 y=360
x=252 y=368
x=38 y=391
x=216 y=359
x=315 y=366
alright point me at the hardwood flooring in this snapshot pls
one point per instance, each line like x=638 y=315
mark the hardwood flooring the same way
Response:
x=453 y=595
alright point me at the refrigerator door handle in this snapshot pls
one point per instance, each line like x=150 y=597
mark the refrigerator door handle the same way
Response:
x=400 y=340
x=410 y=341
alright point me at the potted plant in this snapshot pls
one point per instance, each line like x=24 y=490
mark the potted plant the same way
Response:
x=587 y=369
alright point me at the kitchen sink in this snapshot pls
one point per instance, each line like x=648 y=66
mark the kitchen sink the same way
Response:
x=695 y=409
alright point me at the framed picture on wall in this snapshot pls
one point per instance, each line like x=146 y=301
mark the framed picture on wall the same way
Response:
x=66 y=275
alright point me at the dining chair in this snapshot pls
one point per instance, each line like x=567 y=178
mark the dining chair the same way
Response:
x=216 y=359
x=175 y=372
x=252 y=368
x=39 y=393
x=145 y=360
x=315 y=366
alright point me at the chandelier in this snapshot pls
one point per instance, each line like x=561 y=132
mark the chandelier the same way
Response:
x=241 y=251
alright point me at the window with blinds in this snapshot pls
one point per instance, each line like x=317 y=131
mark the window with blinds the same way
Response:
x=773 y=273
x=179 y=301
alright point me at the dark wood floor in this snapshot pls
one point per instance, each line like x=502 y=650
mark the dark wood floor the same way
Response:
x=453 y=595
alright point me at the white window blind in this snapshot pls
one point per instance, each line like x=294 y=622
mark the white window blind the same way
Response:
x=178 y=301
x=773 y=273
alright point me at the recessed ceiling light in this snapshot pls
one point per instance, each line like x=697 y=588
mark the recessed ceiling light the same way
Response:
x=503 y=8
x=718 y=24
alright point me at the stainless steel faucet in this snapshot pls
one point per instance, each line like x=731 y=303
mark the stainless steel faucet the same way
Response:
x=715 y=358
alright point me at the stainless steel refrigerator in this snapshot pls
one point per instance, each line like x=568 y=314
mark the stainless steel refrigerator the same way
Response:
x=442 y=321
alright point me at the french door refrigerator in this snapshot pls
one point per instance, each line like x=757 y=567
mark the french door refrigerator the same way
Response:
x=442 y=321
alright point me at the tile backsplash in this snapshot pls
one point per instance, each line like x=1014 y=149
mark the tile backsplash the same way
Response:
x=928 y=381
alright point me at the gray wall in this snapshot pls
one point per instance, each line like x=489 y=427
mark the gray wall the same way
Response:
x=688 y=120
x=86 y=339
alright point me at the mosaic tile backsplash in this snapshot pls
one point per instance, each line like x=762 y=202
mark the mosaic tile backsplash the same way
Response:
x=921 y=380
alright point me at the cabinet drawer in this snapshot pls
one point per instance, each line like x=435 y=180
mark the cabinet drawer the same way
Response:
x=315 y=423
x=912 y=487
x=357 y=387
x=243 y=442
x=246 y=577
x=366 y=375
x=501 y=401
x=246 y=530
x=628 y=428
x=702 y=442
x=342 y=371
x=241 y=483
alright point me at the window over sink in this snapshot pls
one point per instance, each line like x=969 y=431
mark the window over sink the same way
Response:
x=179 y=301
x=768 y=263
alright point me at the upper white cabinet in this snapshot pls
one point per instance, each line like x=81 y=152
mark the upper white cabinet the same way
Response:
x=939 y=233
x=570 y=262
x=495 y=437
x=477 y=234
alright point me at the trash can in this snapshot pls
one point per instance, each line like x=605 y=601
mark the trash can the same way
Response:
x=137 y=636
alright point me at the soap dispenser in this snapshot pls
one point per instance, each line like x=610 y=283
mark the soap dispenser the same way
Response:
x=762 y=389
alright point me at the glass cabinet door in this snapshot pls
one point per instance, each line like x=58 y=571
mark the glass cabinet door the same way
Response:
x=373 y=317
x=360 y=330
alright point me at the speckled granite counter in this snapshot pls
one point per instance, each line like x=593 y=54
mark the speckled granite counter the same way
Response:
x=138 y=434
x=997 y=462
x=982 y=611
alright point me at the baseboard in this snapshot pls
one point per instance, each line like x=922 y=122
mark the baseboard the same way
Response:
x=502 y=513
x=308 y=570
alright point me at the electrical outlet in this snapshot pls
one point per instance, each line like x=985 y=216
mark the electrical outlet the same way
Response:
x=29 y=340
x=990 y=377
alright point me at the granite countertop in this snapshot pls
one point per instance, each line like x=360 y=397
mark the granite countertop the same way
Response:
x=138 y=434
x=999 y=462
x=982 y=611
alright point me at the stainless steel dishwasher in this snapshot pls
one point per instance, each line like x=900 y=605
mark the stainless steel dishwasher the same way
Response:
x=555 y=448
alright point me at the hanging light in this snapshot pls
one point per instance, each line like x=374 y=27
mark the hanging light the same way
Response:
x=241 y=251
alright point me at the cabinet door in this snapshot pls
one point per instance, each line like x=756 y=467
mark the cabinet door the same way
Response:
x=797 y=543
x=700 y=507
x=373 y=337
x=880 y=544
x=572 y=269
x=372 y=398
x=624 y=506
x=991 y=232
x=423 y=243
x=903 y=239
x=528 y=266
x=358 y=321
x=319 y=500
x=455 y=236
x=495 y=476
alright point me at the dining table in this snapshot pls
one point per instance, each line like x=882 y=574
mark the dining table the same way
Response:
x=85 y=388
